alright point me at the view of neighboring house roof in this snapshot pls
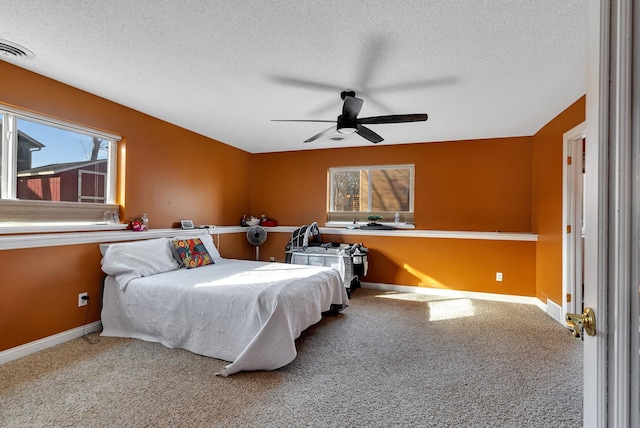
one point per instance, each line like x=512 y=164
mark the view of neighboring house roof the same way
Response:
x=29 y=141
x=57 y=168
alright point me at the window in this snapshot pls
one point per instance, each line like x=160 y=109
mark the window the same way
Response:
x=358 y=192
x=52 y=171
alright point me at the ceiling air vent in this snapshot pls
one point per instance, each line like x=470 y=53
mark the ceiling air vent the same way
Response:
x=12 y=50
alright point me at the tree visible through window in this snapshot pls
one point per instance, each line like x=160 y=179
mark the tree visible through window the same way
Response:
x=346 y=190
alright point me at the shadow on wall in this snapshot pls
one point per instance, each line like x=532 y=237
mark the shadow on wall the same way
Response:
x=383 y=269
x=424 y=279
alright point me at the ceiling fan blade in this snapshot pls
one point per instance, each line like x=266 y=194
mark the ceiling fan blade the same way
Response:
x=369 y=65
x=394 y=118
x=417 y=85
x=365 y=132
x=305 y=84
x=321 y=134
x=351 y=107
x=322 y=110
x=302 y=120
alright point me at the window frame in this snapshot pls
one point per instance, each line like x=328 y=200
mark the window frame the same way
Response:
x=361 y=216
x=19 y=211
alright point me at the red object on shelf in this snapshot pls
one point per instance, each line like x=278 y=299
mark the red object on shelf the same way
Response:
x=269 y=223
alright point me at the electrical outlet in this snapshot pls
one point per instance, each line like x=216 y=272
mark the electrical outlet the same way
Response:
x=81 y=301
x=272 y=259
x=499 y=276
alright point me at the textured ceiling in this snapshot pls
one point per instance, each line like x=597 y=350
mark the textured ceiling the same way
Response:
x=224 y=69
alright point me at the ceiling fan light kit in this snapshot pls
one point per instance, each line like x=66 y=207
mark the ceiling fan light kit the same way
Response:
x=345 y=129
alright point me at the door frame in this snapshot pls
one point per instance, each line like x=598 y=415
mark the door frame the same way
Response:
x=611 y=369
x=572 y=219
x=595 y=286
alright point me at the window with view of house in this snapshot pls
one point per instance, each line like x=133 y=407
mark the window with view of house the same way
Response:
x=53 y=171
x=356 y=193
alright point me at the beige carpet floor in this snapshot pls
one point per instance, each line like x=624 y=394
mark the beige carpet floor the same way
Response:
x=391 y=359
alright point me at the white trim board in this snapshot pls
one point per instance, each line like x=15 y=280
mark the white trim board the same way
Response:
x=37 y=240
x=57 y=239
x=442 y=234
x=47 y=342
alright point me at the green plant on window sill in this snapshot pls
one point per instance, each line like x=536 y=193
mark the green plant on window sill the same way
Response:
x=374 y=218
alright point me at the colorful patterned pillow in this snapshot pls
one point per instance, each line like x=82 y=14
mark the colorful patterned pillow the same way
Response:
x=191 y=253
x=206 y=239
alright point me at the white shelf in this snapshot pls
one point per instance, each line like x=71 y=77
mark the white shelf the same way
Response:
x=34 y=236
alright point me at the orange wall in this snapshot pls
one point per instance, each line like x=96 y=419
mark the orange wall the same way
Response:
x=547 y=200
x=455 y=264
x=39 y=291
x=479 y=185
x=170 y=174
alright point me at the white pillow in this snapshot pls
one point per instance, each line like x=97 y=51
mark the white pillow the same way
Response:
x=206 y=239
x=130 y=260
x=104 y=248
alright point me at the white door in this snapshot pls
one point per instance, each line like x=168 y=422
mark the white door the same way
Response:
x=612 y=198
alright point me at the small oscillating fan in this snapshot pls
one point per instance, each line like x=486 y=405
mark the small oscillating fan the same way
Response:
x=256 y=235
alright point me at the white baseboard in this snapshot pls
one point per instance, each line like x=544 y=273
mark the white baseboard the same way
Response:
x=47 y=342
x=555 y=311
x=453 y=293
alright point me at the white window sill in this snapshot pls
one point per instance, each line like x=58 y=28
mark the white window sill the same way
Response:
x=11 y=228
x=352 y=225
x=93 y=235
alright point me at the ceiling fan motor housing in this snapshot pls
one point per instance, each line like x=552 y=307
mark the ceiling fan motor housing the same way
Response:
x=346 y=125
x=345 y=94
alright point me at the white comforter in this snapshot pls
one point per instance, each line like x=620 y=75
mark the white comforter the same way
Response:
x=245 y=312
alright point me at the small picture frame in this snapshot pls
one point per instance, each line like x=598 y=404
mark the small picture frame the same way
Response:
x=186 y=224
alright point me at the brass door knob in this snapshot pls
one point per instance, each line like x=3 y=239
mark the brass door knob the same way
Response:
x=586 y=322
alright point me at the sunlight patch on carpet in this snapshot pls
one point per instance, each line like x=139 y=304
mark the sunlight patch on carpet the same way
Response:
x=450 y=309
x=440 y=307
x=412 y=297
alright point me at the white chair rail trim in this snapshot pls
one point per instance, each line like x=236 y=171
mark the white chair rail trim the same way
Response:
x=58 y=239
x=36 y=240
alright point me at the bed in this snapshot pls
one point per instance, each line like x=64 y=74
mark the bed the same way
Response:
x=248 y=313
